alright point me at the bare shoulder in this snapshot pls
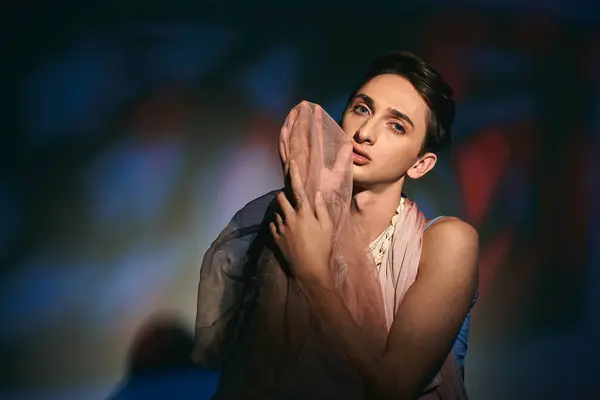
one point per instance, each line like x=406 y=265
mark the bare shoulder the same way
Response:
x=451 y=244
x=450 y=230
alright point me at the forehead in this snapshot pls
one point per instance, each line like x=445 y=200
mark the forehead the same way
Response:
x=394 y=91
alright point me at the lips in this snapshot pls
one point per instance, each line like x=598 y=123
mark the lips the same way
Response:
x=360 y=157
x=360 y=152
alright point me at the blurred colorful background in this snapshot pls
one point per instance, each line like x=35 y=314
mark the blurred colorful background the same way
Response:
x=137 y=129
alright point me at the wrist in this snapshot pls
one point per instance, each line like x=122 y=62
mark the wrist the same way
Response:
x=318 y=278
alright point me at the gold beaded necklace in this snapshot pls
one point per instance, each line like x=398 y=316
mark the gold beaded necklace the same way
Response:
x=380 y=245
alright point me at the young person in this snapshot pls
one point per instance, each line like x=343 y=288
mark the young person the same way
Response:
x=337 y=287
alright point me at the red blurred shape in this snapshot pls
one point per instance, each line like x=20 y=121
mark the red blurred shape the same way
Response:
x=163 y=113
x=263 y=132
x=573 y=226
x=480 y=164
x=492 y=258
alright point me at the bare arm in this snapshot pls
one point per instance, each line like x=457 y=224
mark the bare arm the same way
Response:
x=426 y=323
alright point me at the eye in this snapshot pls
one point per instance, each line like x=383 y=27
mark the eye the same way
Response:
x=398 y=127
x=360 y=109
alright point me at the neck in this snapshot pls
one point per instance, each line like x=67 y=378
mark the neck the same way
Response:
x=374 y=208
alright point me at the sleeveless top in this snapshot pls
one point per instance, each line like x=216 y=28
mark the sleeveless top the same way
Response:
x=460 y=346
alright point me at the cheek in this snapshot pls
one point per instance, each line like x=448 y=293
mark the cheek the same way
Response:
x=397 y=158
x=393 y=159
x=349 y=124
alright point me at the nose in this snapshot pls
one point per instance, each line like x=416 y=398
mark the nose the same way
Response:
x=366 y=132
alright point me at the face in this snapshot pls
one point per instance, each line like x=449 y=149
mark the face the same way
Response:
x=387 y=122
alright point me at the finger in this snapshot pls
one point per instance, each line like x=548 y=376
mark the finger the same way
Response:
x=321 y=211
x=280 y=225
x=319 y=113
x=302 y=202
x=286 y=170
x=274 y=232
x=283 y=150
x=320 y=135
x=284 y=136
x=343 y=159
x=299 y=131
x=284 y=154
x=286 y=207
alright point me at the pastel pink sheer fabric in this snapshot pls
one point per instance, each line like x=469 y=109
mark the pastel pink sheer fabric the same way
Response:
x=252 y=320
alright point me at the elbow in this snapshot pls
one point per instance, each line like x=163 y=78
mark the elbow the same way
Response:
x=388 y=386
x=398 y=382
x=390 y=393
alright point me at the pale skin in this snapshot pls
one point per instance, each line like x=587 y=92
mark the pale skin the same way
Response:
x=387 y=123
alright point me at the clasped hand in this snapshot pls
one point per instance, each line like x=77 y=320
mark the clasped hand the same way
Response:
x=304 y=235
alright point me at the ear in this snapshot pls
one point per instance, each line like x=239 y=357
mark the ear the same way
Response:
x=423 y=165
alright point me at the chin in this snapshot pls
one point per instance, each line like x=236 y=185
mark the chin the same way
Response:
x=360 y=170
x=359 y=179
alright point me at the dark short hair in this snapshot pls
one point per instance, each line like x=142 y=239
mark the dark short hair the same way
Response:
x=434 y=90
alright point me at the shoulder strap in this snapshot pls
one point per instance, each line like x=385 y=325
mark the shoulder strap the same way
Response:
x=432 y=222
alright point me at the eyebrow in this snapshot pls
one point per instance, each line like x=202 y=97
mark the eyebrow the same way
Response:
x=397 y=114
